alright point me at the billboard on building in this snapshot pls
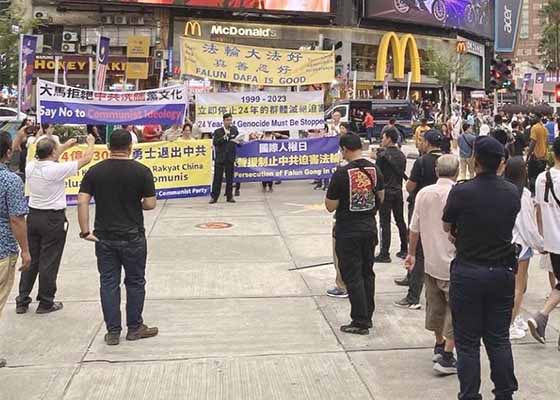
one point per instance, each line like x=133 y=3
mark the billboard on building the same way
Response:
x=476 y=16
x=269 y=5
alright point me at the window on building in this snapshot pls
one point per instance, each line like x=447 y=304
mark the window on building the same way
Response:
x=364 y=57
x=524 y=28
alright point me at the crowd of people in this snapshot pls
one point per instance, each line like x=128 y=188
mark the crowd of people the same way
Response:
x=469 y=241
x=481 y=204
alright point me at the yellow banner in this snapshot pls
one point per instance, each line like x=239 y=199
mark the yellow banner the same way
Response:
x=137 y=70
x=182 y=168
x=252 y=65
x=138 y=46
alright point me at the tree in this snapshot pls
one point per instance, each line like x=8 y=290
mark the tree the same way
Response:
x=549 y=44
x=447 y=67
x=9 y=42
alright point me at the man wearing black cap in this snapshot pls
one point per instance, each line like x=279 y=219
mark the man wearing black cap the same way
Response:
x=479 y=217
x=423 y=174
x=225 y=140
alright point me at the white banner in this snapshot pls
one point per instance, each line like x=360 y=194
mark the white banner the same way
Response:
x=59 y=104
x=261 y=111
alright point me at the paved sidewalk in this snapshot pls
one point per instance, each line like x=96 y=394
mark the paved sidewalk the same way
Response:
x=241 y=317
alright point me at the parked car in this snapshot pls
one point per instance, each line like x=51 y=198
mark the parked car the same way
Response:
x=11 y=114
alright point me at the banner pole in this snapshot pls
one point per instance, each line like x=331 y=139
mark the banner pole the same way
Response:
x=19 y=74
x=56 y=66
x=90 y=73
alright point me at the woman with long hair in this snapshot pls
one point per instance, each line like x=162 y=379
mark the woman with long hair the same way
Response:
x=526 y=235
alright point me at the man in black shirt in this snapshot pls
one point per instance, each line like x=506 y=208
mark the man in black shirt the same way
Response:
x=423 y=174
x=392 y=163
x=355 y=193
x=225 y=140
x=480 y=215
x=122 y=188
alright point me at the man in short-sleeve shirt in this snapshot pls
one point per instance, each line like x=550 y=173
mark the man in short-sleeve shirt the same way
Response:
x=122 y=189
x=538 y=151
x=355 y=193
x=13 y=230
x=423 y=174
x=46 y=223
x=480 y=215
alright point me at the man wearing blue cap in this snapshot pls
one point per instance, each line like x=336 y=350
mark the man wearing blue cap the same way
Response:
x=479 y=217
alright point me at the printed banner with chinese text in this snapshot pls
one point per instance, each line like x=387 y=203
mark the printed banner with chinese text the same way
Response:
x=261 y=111
x=282 y=160
x=181 y=168
x=255 y=65
x=59 y=104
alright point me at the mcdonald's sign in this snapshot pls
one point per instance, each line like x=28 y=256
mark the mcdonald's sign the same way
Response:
x=461 y=47
x=402 y=47
x=192 y=28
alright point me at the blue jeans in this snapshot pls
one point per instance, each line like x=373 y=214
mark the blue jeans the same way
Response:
x=481 y=304
x=112 y=255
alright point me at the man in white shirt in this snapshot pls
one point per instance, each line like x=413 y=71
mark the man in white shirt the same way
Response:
x=333 y=129
x=438 y=254
x=548 y=218
x=46 y=223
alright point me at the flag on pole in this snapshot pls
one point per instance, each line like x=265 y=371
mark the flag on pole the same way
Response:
x=27 y=60
x=102 y=60
x=64 y=73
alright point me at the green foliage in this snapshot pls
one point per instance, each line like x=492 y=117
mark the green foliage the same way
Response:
x=549 y=44
x=442 y=64
x=9 y=42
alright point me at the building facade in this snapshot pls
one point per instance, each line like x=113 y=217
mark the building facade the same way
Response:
x=69 y=29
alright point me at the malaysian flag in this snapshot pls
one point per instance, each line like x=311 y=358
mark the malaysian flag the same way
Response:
x=102 y=60
x=28 y=47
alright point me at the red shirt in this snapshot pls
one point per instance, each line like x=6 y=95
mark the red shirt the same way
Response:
x=369 y=121
x=151 y=133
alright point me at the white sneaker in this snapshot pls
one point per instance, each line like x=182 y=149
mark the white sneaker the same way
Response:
x=519 y=323
x=516 y=333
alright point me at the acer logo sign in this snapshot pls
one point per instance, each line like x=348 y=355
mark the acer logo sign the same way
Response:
x=508 y=19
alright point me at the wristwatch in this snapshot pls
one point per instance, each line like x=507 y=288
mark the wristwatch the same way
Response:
x=84 y=235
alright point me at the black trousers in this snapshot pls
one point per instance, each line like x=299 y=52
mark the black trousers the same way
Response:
x=46 y=233
x=219 y=169
x=394 y=204
x=481 y=304
x=355 y=260
x=416 y=277
x=534 y=169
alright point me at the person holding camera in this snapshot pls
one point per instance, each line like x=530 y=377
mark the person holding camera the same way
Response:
x=46 y=224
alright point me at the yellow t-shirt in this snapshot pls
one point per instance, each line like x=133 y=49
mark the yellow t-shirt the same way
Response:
x=540 y=135
x=419 y=132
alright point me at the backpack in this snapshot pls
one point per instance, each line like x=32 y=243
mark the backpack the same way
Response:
x=549 y=189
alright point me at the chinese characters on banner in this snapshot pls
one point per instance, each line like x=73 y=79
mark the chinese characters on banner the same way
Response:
x=261 y=111
x=255 y=65
x=27 y=59
x=182 y=168
x=282 y=160
x=59 y=104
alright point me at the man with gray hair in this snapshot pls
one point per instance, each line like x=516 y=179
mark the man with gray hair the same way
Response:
x=438 y=254
x=46 y=223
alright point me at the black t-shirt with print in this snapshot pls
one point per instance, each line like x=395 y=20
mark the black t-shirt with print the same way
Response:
x=357 y=201
x=118 y=187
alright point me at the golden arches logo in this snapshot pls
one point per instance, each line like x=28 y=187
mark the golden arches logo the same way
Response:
x=461 y=47
x=402 y=47
x=193 y=28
